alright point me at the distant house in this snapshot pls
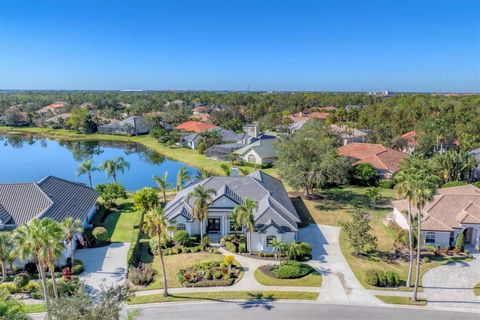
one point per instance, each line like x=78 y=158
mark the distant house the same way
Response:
x=410 y=141
x=51 y=197
x=132 y=126
x=307 y=114
x=349 y=135
x=275 y=217
x=228 y=136
x=54 y=108
x=58 y=121
x=200 y=110
x=222 y=151
x=452 y=211
x=203 y=117
x=385 y=160
x=195 y=126
x=259 y=151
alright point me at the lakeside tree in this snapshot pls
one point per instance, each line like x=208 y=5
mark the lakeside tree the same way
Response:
x=182 y=176
x=87 y=168
x=110 y=193
x=162 y=185
x=111 y=167
x=308 y=158
x=359 y=233
x=80 y=120
x=145 y=199
x=202 y=198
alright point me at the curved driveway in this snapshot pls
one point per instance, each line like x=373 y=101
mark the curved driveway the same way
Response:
x=452 y=285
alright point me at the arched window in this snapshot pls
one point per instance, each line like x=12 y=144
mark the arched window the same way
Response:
x=181 y=226
x=270 y=238
x=430 y=237
x=251 y=158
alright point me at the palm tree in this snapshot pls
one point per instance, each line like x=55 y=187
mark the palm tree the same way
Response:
x=405 y=189
x=182 y=177
x=156 y=225
x=71 y=228
x=244 y=213
x=6 y=248
x=227 y=169
x=203 y=174
x=277 y=246
x=87 y=167
x=30 y=241
x=244 y=171
x=423 y=193
x=202 y=198
x=54 y=247
x=237 y=224
x=112 y=166
x=162 y=184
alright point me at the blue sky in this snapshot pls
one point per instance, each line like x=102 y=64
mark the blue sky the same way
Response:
x=234 y=45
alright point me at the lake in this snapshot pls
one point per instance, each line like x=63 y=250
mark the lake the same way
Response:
x=29 y=158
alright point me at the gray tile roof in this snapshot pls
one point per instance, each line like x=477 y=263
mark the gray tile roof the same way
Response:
x=51 y=197
x=274 y=205
x=263 y=147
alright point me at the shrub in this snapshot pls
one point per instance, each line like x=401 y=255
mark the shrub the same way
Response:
x=459 y=243
x=77 y=267
x=393 y=279
x=292 y=270
x=32 y=287
x=67 y=287
x=134 y=250
x=371 y=278
x=242 y=247
x=205 y=242
x=141 y=275
x=21 y=280
x=386 y=184
x=230 y=246
x=382 y=279
x=9 y=287
x=100 y=233
x=453 y=184
x=209 y=283
x=201 y=148
x=426 y=259
x=364 y=174
x=182 y=238
x=228 y=260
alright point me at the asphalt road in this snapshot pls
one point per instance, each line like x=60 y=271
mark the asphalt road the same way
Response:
x=291 y=310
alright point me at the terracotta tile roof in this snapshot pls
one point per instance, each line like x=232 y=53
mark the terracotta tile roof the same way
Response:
x=449 y=209
x=195 y=126
x=378 y=156
x=410 y=136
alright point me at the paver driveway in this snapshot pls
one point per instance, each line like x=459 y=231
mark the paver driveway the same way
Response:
x=451 y=285
x=339 y=283
x=106 y=265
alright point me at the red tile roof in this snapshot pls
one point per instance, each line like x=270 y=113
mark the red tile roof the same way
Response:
x=195 y=126
x=378 y=156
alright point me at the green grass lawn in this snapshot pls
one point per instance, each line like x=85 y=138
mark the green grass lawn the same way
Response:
x=402 y=300
x=226 y=295
x=313 y=279
x=188 y=156
x=476 y=290
x=172 y=264
x=34 y=308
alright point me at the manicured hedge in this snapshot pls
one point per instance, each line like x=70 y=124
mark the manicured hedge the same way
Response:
x=378 y=278
x=386 y=184
x=209 y=283
x=133 y=255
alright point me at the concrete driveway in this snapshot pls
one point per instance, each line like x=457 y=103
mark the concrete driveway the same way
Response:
x=339 y=284
x=107 y=265
x=452 y=285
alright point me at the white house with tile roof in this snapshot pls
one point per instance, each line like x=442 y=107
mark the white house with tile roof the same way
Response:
x=275 y=217
x=452 y=211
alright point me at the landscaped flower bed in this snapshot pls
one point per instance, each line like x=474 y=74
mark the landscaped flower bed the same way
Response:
x=287 y=270
x=210 y=274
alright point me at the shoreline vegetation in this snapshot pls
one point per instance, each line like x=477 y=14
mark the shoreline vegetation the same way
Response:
x=187 y=156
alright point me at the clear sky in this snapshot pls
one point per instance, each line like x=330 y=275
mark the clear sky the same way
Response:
x=401 y=45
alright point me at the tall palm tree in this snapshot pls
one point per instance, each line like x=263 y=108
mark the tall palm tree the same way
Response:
x=30 y=241
x=54 y=247
x=423 y=193
x=277 y=246
x=227 y=169
x=182 y=177
x=245 y=215
x=112 y=166
x=87 y=168
x=202 y=198
x=162 y=184
x=6 y=249
x=405 y=189
x=237 y=224
x=156 y=226
x=71 y=228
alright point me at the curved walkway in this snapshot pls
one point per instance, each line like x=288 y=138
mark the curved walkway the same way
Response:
x=339 y=284
x=451 y=285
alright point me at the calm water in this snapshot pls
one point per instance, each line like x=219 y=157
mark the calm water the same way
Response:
x=30 y=158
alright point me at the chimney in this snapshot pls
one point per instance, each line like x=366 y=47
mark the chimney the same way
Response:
x=234 y=171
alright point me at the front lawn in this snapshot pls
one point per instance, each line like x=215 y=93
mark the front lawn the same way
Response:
x=313 y=279
x=226 y=295
x=476 y=290
x=33 y=308
x=402 y=300
x=172 y=264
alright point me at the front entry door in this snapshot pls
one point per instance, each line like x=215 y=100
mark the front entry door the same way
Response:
x=213 y=225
